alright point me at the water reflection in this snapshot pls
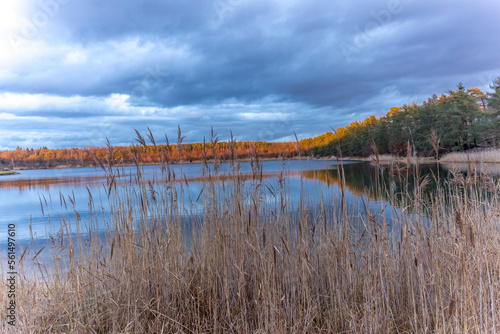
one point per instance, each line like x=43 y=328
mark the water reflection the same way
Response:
x=391 y=181
x=33 y=197
x=47 y=183
x=487 y=168
x=23 y=196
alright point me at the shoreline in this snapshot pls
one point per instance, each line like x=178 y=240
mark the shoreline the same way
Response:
x=383 y=159
x=9 y=172
x=193 y=162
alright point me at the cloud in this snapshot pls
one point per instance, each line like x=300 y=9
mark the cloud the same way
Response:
x=55 y=121
x=264 y=116
x=75 y=57
x=300 y=64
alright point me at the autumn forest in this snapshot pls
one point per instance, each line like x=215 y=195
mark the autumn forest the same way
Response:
x=459 y=120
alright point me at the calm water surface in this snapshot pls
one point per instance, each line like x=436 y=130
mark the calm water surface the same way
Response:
x=23 y=196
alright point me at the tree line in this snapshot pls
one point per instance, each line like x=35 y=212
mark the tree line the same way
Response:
x=148 y=153
x=459 y=120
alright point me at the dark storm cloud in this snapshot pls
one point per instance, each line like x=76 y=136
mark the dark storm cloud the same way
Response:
x=323 y=62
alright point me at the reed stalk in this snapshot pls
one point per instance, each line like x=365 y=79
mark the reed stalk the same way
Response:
x=253 y=263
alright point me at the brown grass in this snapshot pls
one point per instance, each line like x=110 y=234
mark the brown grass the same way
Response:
x=485 y=156
x=247 y=267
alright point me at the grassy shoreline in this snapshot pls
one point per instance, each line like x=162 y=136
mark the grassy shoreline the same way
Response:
x=482 y=156
x=9 y=172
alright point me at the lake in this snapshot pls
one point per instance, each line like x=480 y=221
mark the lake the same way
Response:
x=33 y=198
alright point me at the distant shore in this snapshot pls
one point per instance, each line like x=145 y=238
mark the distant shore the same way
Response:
x=8 y=172
x=487 y=156
x=187 y=162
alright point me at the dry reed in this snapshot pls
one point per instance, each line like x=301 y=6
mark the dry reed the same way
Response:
x=253 y=263
x=485 y=156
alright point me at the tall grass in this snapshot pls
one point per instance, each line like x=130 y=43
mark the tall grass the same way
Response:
x=254 y=263
x=489 y=155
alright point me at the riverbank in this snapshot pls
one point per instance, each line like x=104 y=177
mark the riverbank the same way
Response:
x=478 y=156
x=66 y=166
x=8 y=172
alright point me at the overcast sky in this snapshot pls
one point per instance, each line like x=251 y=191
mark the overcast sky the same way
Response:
x=75 y=71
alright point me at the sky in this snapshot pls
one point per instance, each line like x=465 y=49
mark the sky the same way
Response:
x=73 y=72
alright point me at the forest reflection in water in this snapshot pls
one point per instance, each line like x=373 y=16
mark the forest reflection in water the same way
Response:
x=391 y=181
x=21 y=195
